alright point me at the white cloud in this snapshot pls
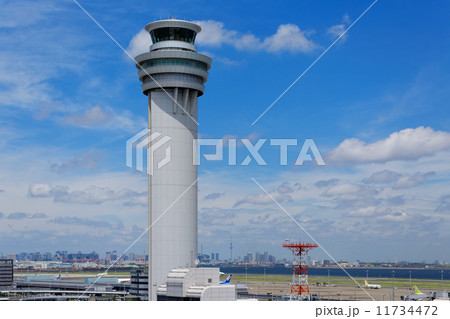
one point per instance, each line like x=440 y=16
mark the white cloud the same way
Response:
x=263 y=199
x=21 y=215
x=327 y=182
x=213 y=196
x=399 y=180
x=91 y=195
x=285 y=188
x=407 y=144
x=289 y=37
x=139 y=44
x=105 y=118
x=349 y=191
x=214 y=34
x=406 y=181
x=337 y=30
x=81 y=221
x=394 y=217
x=383 y=177
x=369 y=211
x=45 y=190
x=88 y=160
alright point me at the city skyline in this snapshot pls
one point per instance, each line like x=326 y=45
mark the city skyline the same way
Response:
x=375 y=105
x=257 y=257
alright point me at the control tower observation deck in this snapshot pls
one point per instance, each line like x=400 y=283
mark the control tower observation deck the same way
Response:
x=173 y=76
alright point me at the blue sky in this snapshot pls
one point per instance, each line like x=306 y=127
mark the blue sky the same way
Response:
x=376 y=106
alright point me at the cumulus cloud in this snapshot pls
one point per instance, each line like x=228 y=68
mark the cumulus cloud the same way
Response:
x=138 y=199
x=88 y=160
x=383 y=177
x=412 y=181
x=336 y=30
x=349 y=191
x=213 y=216
x=213 y=196
x=326 y=183
x=399 y=180
x=407 y=144
x=263 y=199
x=349 y=195
x=45 y=190
x=396 y=200
x=367 y=211
x=81 y=222
x=379 y=214
x=104 y=118
x=214 y=34
x=394 y=217
x=91 y=195
x=285 y=188
x=140 y=43
x=21 y=215
x=288 y=37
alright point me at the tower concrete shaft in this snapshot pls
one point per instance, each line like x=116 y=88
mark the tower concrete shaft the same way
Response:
x=173 y=76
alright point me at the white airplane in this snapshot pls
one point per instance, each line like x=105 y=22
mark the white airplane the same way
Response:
x=417 y=295
x=102 y=274
x=367 y=285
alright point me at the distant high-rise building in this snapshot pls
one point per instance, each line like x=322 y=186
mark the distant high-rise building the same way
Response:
x=212 y=256
x=271 y=259
x=36 y=256
x=47 y=256
x=61 y=255
x=217 y=256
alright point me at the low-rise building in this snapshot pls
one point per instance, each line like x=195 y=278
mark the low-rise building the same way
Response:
x=6 y=273
x=195 y=284
x=139 y=284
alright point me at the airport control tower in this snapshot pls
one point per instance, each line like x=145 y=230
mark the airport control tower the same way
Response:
x=173 y=76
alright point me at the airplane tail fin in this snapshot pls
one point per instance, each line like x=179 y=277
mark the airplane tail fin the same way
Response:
x=227 y=281
x=366 y=283
x=416 y=290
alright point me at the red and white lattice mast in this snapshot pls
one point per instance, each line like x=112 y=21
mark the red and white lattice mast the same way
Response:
x=299 y=286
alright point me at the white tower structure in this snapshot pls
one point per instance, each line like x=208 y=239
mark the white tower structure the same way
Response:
x=173 y=76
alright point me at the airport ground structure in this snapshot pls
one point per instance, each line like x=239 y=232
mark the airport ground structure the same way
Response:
x=184 y=285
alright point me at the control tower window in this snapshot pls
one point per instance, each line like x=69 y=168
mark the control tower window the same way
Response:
x=180 y=34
